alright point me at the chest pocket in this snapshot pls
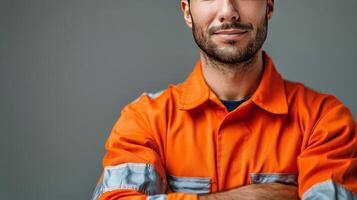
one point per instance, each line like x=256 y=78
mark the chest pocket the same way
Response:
x=190 y=185
x=283 y=178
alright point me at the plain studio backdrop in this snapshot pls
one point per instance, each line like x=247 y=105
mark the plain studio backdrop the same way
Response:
x=68 y=67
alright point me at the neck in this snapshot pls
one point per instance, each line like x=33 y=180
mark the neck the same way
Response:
x=233 y=81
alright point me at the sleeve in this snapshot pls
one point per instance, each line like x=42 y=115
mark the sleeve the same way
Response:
x=133 y=167
x=328 y=161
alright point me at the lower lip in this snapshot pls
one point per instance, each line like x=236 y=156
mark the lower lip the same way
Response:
x=235 y=36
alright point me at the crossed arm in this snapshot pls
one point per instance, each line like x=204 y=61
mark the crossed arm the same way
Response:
x=327 y=164
x=273 y=191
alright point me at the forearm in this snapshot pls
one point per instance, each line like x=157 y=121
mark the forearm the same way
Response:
x=134 y=195
x=256 y=192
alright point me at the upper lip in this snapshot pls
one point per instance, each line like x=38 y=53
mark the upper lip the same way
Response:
x=230 y=31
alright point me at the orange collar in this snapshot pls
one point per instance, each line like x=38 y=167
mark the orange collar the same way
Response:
x=270 y=94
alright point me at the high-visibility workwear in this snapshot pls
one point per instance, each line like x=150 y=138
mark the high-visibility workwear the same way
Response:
x=183 y=142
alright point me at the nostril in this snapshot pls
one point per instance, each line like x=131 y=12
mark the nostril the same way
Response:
x=222 y=19
x=235 y=17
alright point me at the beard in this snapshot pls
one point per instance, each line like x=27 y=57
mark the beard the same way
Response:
x=232 y=54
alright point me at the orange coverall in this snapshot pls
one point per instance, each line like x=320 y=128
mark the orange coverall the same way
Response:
x=182 y=142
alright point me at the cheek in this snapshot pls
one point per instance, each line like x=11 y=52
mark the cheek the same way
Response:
x=202 y=16
x=253 y=11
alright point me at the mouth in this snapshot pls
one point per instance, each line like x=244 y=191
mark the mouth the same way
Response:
x=230 y=34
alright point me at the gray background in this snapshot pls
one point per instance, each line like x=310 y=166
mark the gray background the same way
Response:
x=68 y=67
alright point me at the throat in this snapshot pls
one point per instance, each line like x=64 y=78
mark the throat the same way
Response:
x=233 y=83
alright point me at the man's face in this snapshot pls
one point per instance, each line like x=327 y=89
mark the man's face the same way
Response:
x=229 y=31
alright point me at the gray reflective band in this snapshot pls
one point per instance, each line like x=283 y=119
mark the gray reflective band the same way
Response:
x=157 y=197
x=141 y=177
x=284 y=178
x=154 y=95
x=191 y=185
x=97 y=191
x=328 y=190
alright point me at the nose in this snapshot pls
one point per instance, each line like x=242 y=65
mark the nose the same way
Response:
x=228 y=11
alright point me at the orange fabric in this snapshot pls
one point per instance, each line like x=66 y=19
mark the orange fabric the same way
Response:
x=133 y=195
x=284 y=128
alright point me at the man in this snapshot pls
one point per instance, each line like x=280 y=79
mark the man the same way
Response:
x=234 y=129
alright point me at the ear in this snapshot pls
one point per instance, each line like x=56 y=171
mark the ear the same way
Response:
x=185 y=7
x=270 y=8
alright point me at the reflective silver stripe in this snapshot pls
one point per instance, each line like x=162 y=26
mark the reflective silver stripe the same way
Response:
x=284 y=178
x=155 y=94
x=191 y=185
x=97 y=191
x=328 y=190
x=141 y=177
x=150 y=95
x=157 y=197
